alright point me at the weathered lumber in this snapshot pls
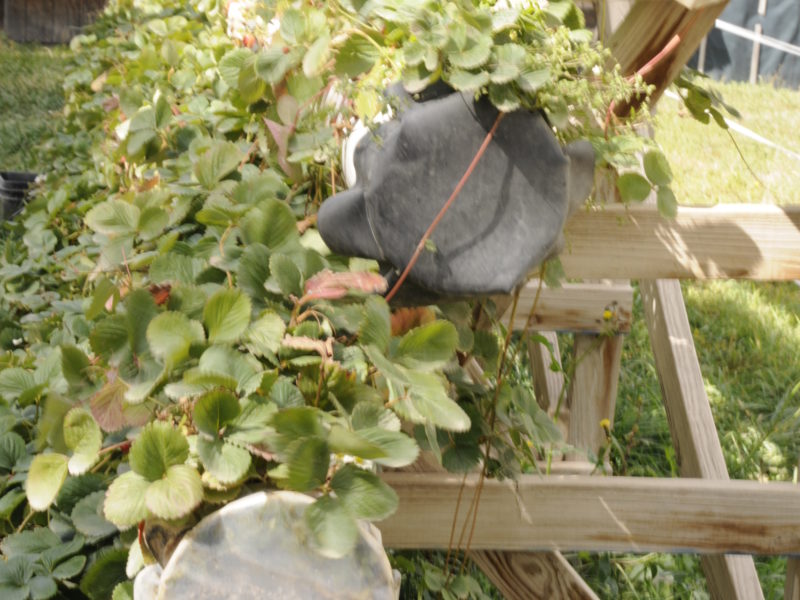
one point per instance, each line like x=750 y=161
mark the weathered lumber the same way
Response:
x=67 y=20
x=530 y=575
x=48 y=21
x=578 y=307
x=592 y=395
x=792 y=587
x=617 y=514
x=649 y=27
x=731 y=241
x=695 y=4
x=691 y=423
x=547 y=384
x=694 y=434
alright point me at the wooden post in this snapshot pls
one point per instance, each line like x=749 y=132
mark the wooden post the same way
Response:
x=547 y=384
x=756 y=55
x=592 y=394
x=701 y=56
x=651 y=24
x=691 y=423
x=67 y=19
x=531 y=575
x=792 y=588
x=758 y=30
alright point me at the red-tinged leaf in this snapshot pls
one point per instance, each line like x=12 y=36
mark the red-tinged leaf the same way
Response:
x=111 y=411
x=281 y=134
x=328 y=285
x=107 y=404
x=160 y=293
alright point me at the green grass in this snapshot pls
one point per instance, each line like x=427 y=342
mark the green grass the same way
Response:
x=30 y=101
x=707 y=166
x=747 y=335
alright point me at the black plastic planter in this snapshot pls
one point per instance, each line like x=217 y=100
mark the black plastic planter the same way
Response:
x=13 y=190
x=507 y=219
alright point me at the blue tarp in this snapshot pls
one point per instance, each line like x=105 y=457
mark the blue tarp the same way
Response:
x=728 y=56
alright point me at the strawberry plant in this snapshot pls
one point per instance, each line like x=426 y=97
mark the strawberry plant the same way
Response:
x=175 y=332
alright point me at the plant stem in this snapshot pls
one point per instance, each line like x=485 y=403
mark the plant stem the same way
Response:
x=453 y=526
x=492 y=418
x=25 y=520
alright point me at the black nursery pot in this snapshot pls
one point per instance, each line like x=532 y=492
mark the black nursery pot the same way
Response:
x=507 y=219
x=13 y=189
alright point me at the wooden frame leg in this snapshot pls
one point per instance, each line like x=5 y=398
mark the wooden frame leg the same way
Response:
x=592 y=395
x=547 y=384
x=532 y=575
x=792 y=589
x=691 y=423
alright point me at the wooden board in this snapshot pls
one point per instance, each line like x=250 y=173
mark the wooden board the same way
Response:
x=694 y=434
x=14 y=20
x=48 y=21
x=691 y=423
x=649 y=27
x=701 y=3
x=592 y=395
x=577 y=307
x=731 y=241
x=67 y=19
x=531 y=575
x=547 y=384
x=617 y=514
x=792 y=587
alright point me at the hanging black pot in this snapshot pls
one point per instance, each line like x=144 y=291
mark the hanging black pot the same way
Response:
x=507 y=219
x=13 y=189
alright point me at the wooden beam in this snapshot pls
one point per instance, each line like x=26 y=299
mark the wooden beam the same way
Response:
x=792 y=587
x=691 y=423
x=694 y=4
x=651 y=25
x=547 y=384
x=577 y=307
x=725 y=242
x=592 y=395
x=530 y=575
x=694 y=434
x=597 y=514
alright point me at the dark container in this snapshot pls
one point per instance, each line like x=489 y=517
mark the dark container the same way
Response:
x=47 y=21
x=13 y=189
x=507 y=219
